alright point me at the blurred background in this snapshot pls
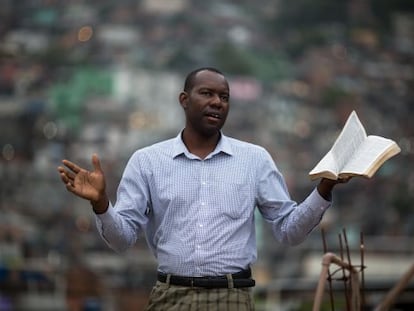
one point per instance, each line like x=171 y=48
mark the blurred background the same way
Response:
x=78 y=77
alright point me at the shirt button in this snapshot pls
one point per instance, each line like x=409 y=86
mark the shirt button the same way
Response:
x=201 y=225
x=202 y=203
x=203 y=183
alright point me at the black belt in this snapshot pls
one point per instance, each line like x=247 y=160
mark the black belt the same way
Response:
x=237 y=280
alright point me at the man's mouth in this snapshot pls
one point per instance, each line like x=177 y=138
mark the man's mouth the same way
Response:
x=213 y=115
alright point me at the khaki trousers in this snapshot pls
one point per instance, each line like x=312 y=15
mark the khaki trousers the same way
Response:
x=165 y=297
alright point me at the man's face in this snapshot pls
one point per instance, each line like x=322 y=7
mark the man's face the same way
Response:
x=206 y=105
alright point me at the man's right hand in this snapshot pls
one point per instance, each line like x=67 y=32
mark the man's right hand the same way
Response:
x=89 y=185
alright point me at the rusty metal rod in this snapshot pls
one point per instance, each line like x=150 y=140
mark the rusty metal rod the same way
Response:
x=348 y=254
x=327 y=260
x=362 y=252
x=344 y=277
x=396 y=290
x=325 y=250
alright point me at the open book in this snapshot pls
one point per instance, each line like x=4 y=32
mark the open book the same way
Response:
x=354 y=153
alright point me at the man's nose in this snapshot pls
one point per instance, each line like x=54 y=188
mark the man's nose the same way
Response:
x=216 y=100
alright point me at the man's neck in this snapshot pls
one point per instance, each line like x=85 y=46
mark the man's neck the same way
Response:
x=200 y=145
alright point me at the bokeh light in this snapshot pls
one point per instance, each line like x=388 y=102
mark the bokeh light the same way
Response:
x=85 y=33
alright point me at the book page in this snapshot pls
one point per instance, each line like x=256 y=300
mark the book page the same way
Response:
x=349 y=140
x=353 y=153
x=326 y=164
x=370 y=151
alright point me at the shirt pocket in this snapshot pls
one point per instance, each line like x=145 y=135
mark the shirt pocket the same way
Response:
x=234 y=200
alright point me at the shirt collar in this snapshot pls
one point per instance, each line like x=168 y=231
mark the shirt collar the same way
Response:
x=224 y=145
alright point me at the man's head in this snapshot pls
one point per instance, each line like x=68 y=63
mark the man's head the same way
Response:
x=190 y=79
x=205 y=100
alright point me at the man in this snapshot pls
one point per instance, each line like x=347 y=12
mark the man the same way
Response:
x=194 y=197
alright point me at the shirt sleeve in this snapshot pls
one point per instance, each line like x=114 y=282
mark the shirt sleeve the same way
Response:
x=110 y=229
x=291 y=222
x=122 y=223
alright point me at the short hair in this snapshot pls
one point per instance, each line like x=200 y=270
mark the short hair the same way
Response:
x=189 y=80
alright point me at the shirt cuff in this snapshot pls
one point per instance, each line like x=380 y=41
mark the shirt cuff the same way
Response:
x=318 y=202
x=107 y=217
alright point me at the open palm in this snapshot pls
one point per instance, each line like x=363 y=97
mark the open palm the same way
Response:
x=86 y=184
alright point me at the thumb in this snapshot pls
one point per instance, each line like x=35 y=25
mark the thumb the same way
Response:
x=96 y=163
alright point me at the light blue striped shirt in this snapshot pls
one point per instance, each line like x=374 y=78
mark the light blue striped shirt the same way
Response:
x=198 y=214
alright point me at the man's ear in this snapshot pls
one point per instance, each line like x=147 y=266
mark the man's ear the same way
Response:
x=183 y=98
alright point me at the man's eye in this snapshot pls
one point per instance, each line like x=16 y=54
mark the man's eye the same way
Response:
x=224 y=98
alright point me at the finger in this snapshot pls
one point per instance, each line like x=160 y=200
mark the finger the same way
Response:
x=72 y=166
x=96 y=163
x=68 y=174
x=65 y=179
x=61 y=169
x=70 y=187
x=71 y=175
x=344 y=180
